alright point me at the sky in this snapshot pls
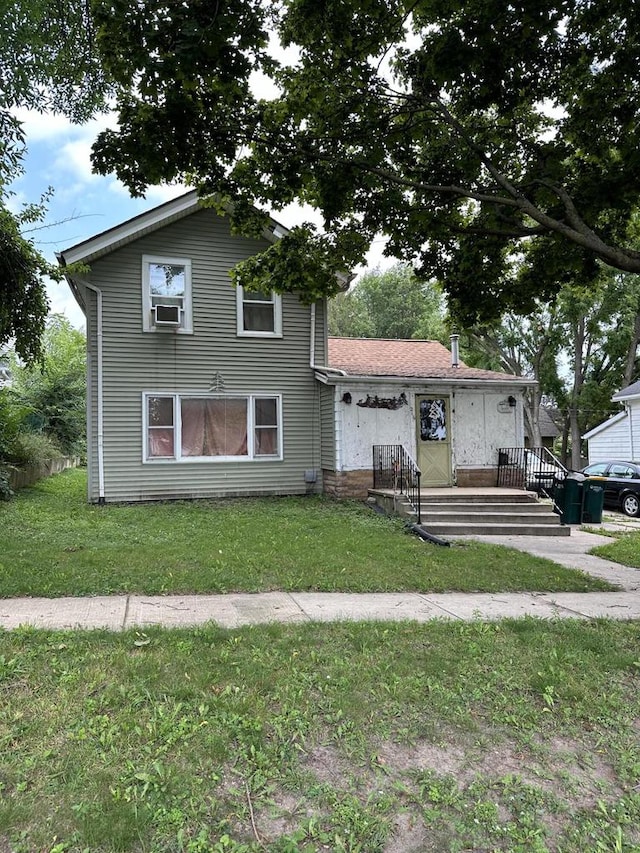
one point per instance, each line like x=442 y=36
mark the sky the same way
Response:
x=83 y=203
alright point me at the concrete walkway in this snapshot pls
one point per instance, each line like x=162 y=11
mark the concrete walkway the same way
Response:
x=117 y=613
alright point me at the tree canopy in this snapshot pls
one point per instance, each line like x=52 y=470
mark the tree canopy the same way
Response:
x=54 y=393
x=393 y=303
x=456 y=129
x=48 y=62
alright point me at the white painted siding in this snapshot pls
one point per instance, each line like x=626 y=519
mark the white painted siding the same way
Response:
x=137 y=362
x=614 y=441
x=481 y=423
x=359 y=428
x=634 y=406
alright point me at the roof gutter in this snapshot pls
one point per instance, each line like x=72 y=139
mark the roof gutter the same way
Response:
x=457 y=382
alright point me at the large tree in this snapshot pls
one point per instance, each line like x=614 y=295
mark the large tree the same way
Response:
x=457 y=129
x=390 y=303
x=48 y=62
x=524 y=346
x=54 y=393
x=581 y=347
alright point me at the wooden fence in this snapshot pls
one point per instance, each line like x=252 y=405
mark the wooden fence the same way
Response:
x=20 y=478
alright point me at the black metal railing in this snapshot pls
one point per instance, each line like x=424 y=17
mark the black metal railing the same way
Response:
x=393 y=468
x=532 y=468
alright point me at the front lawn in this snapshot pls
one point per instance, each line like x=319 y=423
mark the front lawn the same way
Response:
x=624 y=548
x=54 y=544
x=520 y=736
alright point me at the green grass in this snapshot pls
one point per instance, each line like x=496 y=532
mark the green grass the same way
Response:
x=54 y=544
x=518 y=736
x=624 y=549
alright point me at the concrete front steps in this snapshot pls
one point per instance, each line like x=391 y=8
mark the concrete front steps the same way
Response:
x=495 y=512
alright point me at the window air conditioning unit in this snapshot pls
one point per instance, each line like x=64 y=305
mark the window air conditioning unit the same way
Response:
x=166 y=315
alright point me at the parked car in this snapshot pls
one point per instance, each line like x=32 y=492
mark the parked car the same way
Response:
x=541 y=472
x=621 y=486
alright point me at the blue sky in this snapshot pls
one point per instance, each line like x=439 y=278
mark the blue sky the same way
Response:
x=84 y=204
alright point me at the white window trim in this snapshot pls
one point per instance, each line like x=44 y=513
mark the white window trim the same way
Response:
x=277 y=316
x=186 y=327
x=250 y=397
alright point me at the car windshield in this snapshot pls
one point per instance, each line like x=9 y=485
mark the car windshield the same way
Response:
x=598 y=468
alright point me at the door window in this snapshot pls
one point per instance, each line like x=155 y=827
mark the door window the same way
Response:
x=433 y=420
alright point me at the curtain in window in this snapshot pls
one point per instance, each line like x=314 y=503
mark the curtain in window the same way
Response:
x=161 y=442
x=161 y=433
x=214 y=427
x=266 y=427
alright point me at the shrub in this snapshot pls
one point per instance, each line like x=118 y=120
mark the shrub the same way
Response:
x=6 y=492
x=32 y=448
x=13 y=416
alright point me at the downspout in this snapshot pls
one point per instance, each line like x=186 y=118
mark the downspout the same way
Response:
x=312 y=348
x=100 y=404
x=630 y=416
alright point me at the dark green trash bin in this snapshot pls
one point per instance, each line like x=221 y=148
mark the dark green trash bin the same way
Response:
x=568 y=498
x=592 y=501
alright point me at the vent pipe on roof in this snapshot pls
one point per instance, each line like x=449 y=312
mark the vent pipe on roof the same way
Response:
x=455 y=356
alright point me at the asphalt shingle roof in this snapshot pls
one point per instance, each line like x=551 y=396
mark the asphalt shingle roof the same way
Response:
x=629 y=391
x=418 y=359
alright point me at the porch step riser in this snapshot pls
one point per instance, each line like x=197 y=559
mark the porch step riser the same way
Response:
x=488 y=518
x=478 y=514
x=479 y=498
x=445 y=506
x=447 y=530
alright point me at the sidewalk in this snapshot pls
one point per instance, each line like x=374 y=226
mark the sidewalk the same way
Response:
x=117 y=613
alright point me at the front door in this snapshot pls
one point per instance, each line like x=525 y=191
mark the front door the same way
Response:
x=433 y=440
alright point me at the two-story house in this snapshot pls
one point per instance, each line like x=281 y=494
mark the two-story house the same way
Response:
x=195 y=388
x=198 y=389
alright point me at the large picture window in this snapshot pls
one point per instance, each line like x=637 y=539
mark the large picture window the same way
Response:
x=166 y=294
x=259 y=314
x=189 y=427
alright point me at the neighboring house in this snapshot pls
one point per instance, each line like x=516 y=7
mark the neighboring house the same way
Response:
x=196 y=389
x=451 y=418
x=619 y=437
x=548 y=429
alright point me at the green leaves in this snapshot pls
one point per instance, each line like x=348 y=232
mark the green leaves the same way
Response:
x=23 y=300
x=390 y=304
x=460 y=131
x=304 y=262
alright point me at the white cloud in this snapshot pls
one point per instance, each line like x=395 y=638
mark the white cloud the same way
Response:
x=75 y=157
x=38 y=126
x=61 y=301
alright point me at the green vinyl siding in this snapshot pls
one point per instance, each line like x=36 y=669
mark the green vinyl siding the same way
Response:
x=212 y=359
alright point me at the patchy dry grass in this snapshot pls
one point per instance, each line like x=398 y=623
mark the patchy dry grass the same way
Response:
x=367 y=738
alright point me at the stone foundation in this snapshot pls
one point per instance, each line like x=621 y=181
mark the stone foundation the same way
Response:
x=347 y=484
x=476 y=477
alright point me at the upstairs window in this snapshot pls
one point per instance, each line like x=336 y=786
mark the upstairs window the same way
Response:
x=259 y=314
x=166 y=294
